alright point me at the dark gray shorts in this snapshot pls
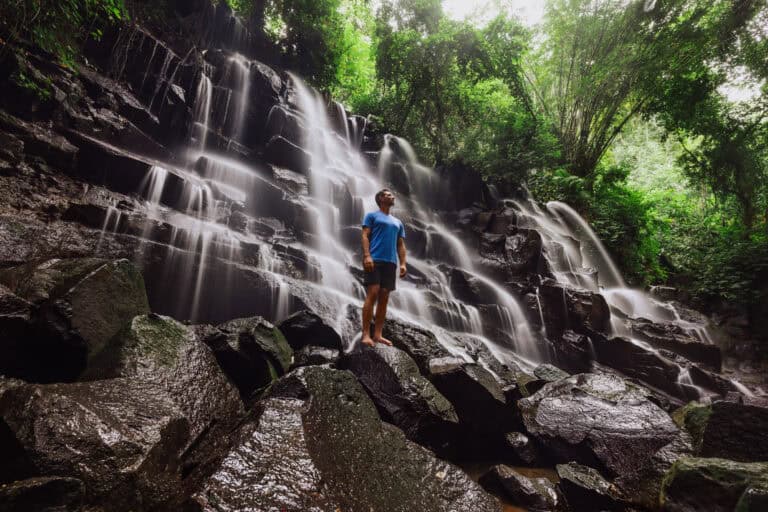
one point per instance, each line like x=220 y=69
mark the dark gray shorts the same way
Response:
x=384 y=274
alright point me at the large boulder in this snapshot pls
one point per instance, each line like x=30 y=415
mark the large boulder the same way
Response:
x=402 y=395
x=123 y=438
x=712 y=484
x=478 y=398
x=161 y=350
x=599 y=420
x=726 y=429
x=318 y=444
x=78 y=306
x=419 y=343
x=251 y=351
x=307 y=328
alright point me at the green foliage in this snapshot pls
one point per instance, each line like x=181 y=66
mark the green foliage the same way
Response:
x=455 y=91
x=59 y=26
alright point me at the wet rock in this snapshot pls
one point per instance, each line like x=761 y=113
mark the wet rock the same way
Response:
x=585 y=488
x=600 y=420
x=514 y=254
x=712 y=484
x=79 y=305
x=316 y=434
x=284 y=153
x=403 y=397
x=307 y=328
x=309 y=355
x=535 y=494
x=122 y=438
x=251 y=351
x=40 y=140
x=42 y=494
x=282 y=122
x=468 y=288
x=522 y=447
x=641 y=363
x=422 y=345
x=577 y=310
x=726 y=429
x=573 y=352
x=475 y=394
x=672 y=337
x=161 y=350
x=549 y=373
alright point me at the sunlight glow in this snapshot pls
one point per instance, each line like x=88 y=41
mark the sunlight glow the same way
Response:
x=481 y=12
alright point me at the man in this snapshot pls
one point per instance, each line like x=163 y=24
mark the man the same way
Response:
x=383 y=244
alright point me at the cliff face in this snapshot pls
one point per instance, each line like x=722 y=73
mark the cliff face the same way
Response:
x=179 y=163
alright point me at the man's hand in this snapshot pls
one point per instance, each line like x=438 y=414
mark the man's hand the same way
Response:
x=368 y=264
x=402 y=270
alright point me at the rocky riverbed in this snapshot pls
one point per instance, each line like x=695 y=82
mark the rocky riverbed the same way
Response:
x=179 y=311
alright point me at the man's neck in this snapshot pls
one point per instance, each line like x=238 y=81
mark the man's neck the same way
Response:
x=385 y=209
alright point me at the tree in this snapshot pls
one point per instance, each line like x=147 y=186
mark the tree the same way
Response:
x=604 y=62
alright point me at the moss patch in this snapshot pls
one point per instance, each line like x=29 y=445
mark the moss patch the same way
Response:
x=693 y=418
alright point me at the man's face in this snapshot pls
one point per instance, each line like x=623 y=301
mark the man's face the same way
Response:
x=387 y=199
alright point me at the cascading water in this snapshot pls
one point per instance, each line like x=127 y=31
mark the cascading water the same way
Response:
x=578 y=260
x=337 y=164
x=187 y=200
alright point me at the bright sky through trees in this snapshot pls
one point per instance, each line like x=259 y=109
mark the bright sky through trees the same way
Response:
x=529 y=12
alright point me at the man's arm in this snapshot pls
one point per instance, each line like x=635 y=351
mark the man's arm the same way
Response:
x=401 y=255
x=367 y=260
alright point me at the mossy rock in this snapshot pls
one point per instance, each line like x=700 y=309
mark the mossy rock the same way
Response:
x=712 y=484
x=693 y=418
x=266 y=337
x=755 y=497
x=150 y=342
x=79 y=305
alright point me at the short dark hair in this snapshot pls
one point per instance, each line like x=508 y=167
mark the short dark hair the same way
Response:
x=379 y=194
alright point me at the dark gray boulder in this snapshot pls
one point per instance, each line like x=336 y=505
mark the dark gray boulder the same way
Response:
x=599 y=420
x=422 y=345
x=402 y=395
x=585 y=488
x=251 y=351
x=123 y=438
x=534 y=494
x=478 y=398
x=42 y=494
x=78 y=305
x=307 y=328
x=712 y=484
x=726 y=429
x=163 y=351
x=319 y=440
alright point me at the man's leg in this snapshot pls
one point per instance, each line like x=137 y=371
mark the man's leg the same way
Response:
x=381 y=314
x=370 y=299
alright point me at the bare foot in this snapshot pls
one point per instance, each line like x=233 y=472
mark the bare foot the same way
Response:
x=367 y=340
x=383 y=340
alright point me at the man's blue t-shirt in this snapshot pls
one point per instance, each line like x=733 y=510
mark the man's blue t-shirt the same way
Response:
x=385 y=229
